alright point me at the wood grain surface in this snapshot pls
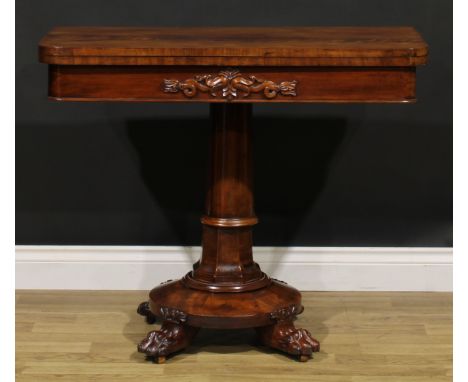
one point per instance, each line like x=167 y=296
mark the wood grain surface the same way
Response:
x=279 y=46
x=366 y=337
x=94 y=83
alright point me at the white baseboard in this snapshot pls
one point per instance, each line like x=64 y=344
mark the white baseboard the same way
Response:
x=306 y=268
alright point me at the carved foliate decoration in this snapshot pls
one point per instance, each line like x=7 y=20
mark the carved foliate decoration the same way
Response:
x=284 y=336
x=286 y=314
x=169 y=339
x=297 y=341
x=229 y=84
x=172 y=315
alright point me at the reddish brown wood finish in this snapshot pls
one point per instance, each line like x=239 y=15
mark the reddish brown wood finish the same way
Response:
x=174 y=335
x=230 y=68
x=225 y=310
x=146 y=83
x=144 y=310
x=278 y=46
x=227 y=264
x=271 y=310
x=227 y=289
x=285 y=337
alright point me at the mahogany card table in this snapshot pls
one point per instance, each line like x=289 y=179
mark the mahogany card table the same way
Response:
x=231 y=69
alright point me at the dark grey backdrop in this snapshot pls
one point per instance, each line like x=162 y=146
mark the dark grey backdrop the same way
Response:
x=326 y=175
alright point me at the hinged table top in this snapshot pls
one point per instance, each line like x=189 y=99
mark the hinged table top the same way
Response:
x=279 y=46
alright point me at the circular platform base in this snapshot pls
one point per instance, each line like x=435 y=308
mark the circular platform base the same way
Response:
x=175 y=301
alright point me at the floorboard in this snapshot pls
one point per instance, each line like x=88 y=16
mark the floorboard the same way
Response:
x=365 y=337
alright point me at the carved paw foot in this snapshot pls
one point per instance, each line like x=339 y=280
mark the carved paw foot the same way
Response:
x=144 y=310
x=298 y=341
x=170 y=338
x=285 y=337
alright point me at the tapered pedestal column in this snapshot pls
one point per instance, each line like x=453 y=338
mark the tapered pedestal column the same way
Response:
x=226 y=288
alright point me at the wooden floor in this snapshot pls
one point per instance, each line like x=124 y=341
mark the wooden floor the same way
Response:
x=365 y=337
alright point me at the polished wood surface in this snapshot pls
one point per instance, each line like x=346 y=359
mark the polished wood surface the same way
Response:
x=81 y=336
x=227 y=289
x=231 y=68
x=311 y=84
x=288 y=64
x=225 y=310
x=283 y=46
x=226 y=264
